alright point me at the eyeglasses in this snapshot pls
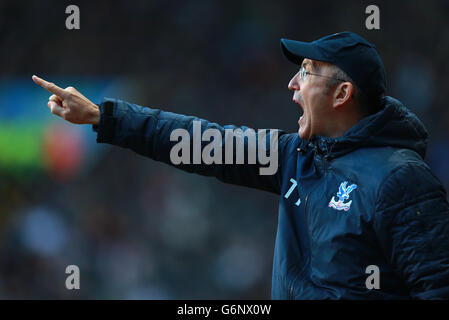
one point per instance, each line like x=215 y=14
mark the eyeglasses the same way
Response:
x=303 y=75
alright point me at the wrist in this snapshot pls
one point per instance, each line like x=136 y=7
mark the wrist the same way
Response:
x=95 y=118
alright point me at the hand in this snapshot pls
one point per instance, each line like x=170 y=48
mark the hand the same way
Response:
x=69 y=104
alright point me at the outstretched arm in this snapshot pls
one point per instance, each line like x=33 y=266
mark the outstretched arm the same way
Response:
x=236 y=155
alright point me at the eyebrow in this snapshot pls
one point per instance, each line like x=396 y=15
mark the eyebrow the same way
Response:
x=305 y=64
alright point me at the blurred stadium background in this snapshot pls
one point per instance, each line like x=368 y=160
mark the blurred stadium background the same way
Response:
x=139 y=229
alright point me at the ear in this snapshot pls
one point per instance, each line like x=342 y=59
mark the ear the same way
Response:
x=342 y=94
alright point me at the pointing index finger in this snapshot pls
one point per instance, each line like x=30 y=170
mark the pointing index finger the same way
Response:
x=50 y=87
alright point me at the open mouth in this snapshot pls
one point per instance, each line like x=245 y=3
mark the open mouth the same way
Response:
x=302 y=109
x=298 y=103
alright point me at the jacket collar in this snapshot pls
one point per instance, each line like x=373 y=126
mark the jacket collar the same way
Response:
x=395 y=125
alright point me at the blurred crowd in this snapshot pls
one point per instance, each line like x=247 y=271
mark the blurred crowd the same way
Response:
x=139 y=229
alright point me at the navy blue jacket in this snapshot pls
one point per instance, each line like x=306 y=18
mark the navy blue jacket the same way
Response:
x=364 y=199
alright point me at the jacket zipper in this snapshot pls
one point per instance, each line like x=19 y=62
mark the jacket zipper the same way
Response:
x=307 y=258
x=300 y=272
x=290 y=295
x=325 y=163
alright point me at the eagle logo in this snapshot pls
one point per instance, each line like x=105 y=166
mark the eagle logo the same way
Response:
x=342 y=194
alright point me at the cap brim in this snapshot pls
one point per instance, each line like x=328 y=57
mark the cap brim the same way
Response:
x=296 y=51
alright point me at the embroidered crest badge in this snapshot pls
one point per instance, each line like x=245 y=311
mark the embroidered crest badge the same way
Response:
x=342 y=194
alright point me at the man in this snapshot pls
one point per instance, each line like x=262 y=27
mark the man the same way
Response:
x=361 y=216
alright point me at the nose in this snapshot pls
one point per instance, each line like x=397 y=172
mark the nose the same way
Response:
x=294 y=83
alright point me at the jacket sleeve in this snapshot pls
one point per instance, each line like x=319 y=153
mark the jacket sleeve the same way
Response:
x=149 y=131
x=412 y=225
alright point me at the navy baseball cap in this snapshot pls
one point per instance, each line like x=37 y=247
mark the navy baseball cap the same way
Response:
x=350 y=52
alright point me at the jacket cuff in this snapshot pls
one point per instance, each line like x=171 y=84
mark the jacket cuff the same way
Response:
x=106 y=127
